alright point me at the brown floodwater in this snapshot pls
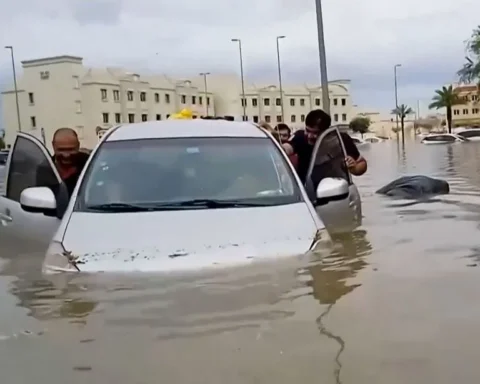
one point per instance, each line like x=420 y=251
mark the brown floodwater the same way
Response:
x=396 y=302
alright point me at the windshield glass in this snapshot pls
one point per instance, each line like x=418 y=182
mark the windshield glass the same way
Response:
x=190 y=172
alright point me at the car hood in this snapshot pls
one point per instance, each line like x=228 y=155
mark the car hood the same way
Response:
x=187 y=239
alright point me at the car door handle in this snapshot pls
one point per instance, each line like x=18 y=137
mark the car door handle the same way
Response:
x=5 y=218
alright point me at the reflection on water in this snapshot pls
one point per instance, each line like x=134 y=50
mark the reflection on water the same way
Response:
x=394 y=302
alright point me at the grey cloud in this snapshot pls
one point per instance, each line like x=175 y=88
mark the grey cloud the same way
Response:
x=106 y=12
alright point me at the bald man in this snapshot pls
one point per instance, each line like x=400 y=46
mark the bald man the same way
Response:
x=68 y=159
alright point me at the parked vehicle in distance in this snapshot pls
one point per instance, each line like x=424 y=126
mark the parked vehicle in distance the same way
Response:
x=471 y=134
x=373 y=139
x=176 y=195
x=3 y=157
x=443 y=138
x=360 y=142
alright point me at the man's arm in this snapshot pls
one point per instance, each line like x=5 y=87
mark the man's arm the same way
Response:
x=291 y=148
x=357 y=165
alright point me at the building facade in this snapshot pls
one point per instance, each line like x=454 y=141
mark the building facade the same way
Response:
x=61 y=92
x=468 y=113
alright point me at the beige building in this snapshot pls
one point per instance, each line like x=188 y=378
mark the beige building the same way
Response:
x=467 y=114
x=385 y=124
x=61 y=92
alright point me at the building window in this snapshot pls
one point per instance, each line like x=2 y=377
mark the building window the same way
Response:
x=254 y=102
x=31 y=98
x=302 y=118
x=292 y=102
x=335 y=117
x=116 y=95
x=103 y=94
x=79 y=106
x=244 y=118
x=474 y=97
x=255 y=118
x=194 y=100
x=344 y=117
x=335 y=101
x=208 y=101
x=130 y=95
x=157 y=98
x=302 y=102
x=143 y=97
x=317 y=101
x=475 y=111
x=105 y=118
x=33 y=122
x=167 y=98
x=278 y=102
x=465 y=111
x=76 y=82
x=267 y=118
x=200 y=100
x=293 y=119
x=266 y=102
x=144 y=117
x=456 y=112
x=118 y=118
x=244 y=102
x=344 y=102
x=158 y=117
x=131 y=118
x=183 y=99
x=168 y=115
x=279 y=118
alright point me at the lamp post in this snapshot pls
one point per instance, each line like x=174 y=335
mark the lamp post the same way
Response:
x=280 y=76
x=396 y=98
x=15 y=85
x=205 y=74
x=323 y=57
x=244 y=101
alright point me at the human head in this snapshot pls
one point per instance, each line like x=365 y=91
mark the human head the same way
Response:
x=284 y=132
x=316 y=122
x=65 y=146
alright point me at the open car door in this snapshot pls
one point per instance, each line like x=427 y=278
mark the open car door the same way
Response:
x=23 y=232
x=336 y=198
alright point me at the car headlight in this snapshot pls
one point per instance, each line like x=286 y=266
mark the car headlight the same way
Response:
x=57 y=260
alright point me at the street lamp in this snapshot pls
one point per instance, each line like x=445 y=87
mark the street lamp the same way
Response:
x=244 y=101
x=396 y=97
x=15 y=85
x=205 y=74
x=323 y=57
x=280 y=75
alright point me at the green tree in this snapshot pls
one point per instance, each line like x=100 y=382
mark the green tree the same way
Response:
x=446 y=98
x=402 y=111
x=470 y=72
x=360 y=124
x=2 y=143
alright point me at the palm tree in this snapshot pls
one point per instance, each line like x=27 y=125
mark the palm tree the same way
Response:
x=470 y=72
x=446 y=98
x=402 y=111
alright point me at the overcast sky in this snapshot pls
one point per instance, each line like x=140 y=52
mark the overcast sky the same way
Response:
x=364 y=39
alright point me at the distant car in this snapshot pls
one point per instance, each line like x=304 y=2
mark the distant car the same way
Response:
x=373 y=139
x=360 y=142
x=443 y=138
x=471 y=134
x=3 y=157
x=176 y=195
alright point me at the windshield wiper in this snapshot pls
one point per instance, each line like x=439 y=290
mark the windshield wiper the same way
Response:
x=205 y=203
x=118 y=207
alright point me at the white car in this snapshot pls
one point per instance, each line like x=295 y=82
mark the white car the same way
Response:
x=471 y=134
x=175 y=195
x=443 y=138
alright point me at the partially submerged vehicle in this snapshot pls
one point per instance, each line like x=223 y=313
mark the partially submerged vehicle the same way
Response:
x=176 y=195
x=443 y=138
x=471 y=134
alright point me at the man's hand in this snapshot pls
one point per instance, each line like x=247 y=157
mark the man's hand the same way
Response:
x=351 y=163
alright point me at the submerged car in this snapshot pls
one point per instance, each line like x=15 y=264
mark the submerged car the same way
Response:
x=443 y=138
x=175 y=195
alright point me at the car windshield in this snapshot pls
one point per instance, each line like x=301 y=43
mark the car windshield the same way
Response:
x=187 y=173
x=439 y=138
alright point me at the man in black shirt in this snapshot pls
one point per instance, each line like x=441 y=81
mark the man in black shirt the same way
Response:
x=68 y=160
x=301 y=144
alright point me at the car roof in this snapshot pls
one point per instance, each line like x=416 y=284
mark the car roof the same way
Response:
x=184 y=128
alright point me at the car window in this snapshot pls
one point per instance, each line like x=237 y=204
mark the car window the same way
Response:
x=470 y=133
x=440 y=138
x=170 y=170
x=29 y=167
x=328 y=159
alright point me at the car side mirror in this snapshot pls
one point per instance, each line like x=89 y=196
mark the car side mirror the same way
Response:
x=39 y=200
x=331 y=189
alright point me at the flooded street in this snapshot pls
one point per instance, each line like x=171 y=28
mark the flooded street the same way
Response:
x=396 y=302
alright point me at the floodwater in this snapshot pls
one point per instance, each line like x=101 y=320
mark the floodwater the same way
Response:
x=397 y=302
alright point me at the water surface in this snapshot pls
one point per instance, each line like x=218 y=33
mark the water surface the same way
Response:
x=396 y=302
